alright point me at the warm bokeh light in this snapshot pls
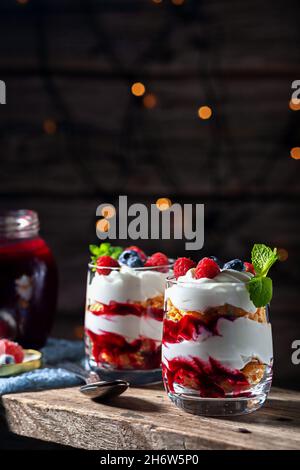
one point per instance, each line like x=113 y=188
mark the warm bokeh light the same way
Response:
x=163 y=203
x=157 y=1
x=138 y=89
x=204 y=112
x=49 y=126
x=108 y=212
x=103 y=225
x=150 y=101
x=22 y=2
x=178 y=2
x=294 y=104
x=282 y=254
x=295 y=153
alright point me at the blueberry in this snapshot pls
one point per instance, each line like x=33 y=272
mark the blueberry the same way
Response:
x=235 y=264
x=216 y=260
x=131 y=258
x=6 y=359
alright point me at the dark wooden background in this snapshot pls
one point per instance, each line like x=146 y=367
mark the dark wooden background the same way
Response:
x=73 y=62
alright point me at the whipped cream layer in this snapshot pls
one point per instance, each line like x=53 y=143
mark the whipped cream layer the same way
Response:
x=125 y=285
x=228 y=287
x=238 y=342
x=130 y=327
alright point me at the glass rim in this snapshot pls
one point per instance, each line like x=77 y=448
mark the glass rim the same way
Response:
x=142 y=268
x=194 y=283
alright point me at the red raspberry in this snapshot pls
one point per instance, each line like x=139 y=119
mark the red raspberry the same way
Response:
x=182 y=265
x=158 y=259
x=106 y=261
x=11 y=348
x=207 y=267
x=249 y=267
x=142 y=254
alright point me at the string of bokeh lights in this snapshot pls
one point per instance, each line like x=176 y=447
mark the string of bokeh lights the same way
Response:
x=150 y=101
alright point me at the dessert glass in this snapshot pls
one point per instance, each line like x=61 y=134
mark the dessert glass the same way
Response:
x=217 y=351
x=123 y=322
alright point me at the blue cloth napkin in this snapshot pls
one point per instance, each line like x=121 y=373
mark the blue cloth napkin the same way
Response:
x=55 y=352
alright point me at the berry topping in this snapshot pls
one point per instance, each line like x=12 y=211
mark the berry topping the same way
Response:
x=131 y=258
x=216 y=260
x=107 y=262
x=141 y=253
x=207 y=267
x=9 y=348
x=248 y=267
x=182 y=266
x=158 y=259
x=235 y=264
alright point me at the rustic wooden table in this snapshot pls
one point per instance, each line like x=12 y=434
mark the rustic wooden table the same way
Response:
x=146 y=419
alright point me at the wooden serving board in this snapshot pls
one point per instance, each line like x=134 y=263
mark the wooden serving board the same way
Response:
x=146 y=419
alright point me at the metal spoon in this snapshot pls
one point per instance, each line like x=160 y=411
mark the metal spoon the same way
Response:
x=95 y=387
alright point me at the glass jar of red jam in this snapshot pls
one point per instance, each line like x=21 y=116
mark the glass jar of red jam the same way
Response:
x=28 y=280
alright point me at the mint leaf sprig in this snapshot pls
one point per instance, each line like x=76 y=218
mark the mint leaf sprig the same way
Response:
x=104 y=249
x=260 y=286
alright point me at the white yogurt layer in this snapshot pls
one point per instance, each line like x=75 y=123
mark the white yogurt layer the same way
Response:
x=239 y=342
x=129 y=326
x=126 y=284
x=228 y=287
